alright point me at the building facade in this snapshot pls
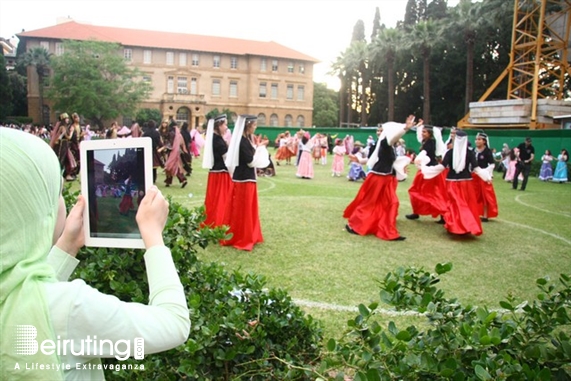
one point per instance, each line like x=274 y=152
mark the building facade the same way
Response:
x=192 y=75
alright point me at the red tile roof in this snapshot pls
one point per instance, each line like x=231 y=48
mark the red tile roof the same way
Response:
x=166 y=40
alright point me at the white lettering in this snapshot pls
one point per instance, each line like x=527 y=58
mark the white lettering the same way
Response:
x=47 y=347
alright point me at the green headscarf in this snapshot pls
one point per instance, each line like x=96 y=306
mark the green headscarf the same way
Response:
x=30 y=183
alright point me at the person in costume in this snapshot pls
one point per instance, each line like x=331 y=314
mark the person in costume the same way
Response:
x=357 y=159
x=75 y=138
x=305 y=165
x=485 y=194
x=525 y=156
x=546 y=171
x=338 y=158
x=111 y=132
x=186 y=156
x=427 y=194
x=150 y=130
x=462 y=214
x=219 y=185
x=245 y=153
x=560 y=174
x=60 y=142
x=173 y=165
x=375 y=208
x=127 y=204
x=39 y=246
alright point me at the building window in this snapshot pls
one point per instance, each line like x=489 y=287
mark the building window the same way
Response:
x=263 y=64
x=170 y=84
x=273 y=120
x=182 y=115
x=182 y=59
x=128 y=55
x=170 y=58
x=195 y=57
x=300 y=93
x=216 y=87
x=290 y=67
x=274 y=91
x=193 y=86
x=300 y=121
x=181 y=85
x=289 y=92
x=147 y=56
x=233 y=89
x=274 y=65
x=261 y=119
x=233 y=63
x=301 y=68
x=216 y=61
x=59 y=48
x=147 y=78
x=45 y=45
x=288 y=121
x=263 y=89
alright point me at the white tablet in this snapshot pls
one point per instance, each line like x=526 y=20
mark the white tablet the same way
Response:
x=115 y=174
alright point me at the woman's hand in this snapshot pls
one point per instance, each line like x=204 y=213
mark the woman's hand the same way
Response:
x=72 y=238
x=152 y=217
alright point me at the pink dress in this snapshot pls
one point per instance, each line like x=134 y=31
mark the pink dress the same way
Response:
x=305 y=166
x=338 y=160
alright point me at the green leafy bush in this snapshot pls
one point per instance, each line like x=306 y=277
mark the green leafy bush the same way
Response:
x=525 y=341
x=240 y=330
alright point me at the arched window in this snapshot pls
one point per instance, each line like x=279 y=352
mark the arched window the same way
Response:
x=273 y=120
x=288 y=120
x=261 y=119
x=300 y=121
x=183 y=115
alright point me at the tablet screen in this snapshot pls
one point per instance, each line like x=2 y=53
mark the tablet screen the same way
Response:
x=116 y=179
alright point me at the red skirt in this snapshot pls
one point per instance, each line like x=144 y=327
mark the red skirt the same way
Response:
x=486 y=196
x=218 y=190
x=427 y=197
x=462 y=215
x=126 y=204
x=242 y=217
x=375 y=208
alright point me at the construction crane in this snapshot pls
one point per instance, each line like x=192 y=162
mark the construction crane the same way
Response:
x=540 y=49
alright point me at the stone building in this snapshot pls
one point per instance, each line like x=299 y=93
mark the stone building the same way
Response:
x=193 y=74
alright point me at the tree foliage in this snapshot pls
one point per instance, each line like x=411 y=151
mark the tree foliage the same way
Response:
x=6 y=93
x=325 y=107
x=90 y=78
x=41 y=60
x=146 y=114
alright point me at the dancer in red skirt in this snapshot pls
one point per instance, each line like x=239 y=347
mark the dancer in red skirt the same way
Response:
x=485 y=194
x=427 y=195
x=219 y=184
x=245 y=153
x=375 y=208
x=462 y=214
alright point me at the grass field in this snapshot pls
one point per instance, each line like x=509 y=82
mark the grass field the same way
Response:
x=328 y=271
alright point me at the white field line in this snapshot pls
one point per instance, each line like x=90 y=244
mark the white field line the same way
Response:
x=537 y=230
x=518 y=200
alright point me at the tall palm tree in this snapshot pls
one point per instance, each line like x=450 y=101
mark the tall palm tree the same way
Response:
x=39 y=58
x=358 y=54
x=385 y=47
x=424 y=37
x=345 y=67
x=467 y=17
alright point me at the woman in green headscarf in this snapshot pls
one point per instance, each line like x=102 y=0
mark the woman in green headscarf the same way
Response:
x=36 y=305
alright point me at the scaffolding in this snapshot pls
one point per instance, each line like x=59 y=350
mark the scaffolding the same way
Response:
x=539 y=61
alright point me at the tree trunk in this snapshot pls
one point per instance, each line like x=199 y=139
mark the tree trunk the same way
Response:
x=40 y=73
x=349 y=100
x=365 y=84
x=391 y=84
x=469 y=76
x=342 y=97
x=426 y=89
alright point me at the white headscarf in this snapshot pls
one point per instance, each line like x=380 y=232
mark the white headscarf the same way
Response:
x=390 y=131
x=459 y=152
x=440 y=146
x=208 y=159
x=233 y=155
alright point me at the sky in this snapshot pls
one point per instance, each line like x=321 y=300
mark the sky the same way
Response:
x=319 y=28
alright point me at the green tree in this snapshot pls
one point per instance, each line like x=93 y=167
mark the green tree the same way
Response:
x=90 y=78
x=425 y=36
x=40 y=59
x=376 y=23
x=19 y=93
x=6 y=95
x=325 y=108
x=146 y=114
x=383 y=50
x=466 y=17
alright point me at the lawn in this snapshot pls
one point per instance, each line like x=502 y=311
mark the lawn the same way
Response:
x=329 y=272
